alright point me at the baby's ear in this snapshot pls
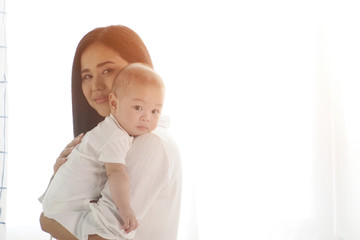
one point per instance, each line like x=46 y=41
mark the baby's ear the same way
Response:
x=112 y=101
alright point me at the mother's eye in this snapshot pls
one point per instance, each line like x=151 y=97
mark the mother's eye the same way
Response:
x=86 y=77
x=108 y=70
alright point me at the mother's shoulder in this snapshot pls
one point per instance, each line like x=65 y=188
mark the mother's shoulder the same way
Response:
x=159 y=136
x=158 y=148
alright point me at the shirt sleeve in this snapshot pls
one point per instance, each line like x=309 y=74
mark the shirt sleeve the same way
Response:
x=115 y=149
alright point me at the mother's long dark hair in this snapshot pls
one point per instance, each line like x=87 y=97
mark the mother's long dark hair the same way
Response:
x=119 y=38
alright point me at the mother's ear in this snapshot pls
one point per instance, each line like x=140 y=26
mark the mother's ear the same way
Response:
x=112 y=102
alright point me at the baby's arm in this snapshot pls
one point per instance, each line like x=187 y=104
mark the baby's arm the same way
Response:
x=120 y=192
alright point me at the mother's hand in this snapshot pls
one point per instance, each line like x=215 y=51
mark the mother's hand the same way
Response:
x=68 y=149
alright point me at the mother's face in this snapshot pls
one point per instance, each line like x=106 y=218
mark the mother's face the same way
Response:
x=99 y=66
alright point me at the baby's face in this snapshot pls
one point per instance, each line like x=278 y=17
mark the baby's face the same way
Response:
x=139 y=109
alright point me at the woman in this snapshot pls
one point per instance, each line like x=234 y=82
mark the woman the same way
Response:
x=153 y=162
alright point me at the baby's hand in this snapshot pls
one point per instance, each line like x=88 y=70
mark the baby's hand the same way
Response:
x=129 y=220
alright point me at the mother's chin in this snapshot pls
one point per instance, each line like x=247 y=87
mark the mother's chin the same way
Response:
x=101 y=107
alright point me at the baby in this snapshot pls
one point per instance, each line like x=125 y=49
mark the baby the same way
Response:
x=136 y=102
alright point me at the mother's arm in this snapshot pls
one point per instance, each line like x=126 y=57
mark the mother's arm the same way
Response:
x=55 y=229
x=58 y=231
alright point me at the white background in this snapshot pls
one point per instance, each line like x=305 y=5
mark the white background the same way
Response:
x=242 y=78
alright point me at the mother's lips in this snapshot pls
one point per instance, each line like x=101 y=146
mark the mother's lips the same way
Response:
x=101 y=99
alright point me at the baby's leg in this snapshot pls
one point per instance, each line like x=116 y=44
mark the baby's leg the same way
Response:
x=55 y=229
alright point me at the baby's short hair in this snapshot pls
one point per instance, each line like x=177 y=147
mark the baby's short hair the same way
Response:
x=136 y=73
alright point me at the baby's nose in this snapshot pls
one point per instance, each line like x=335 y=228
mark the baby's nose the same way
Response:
x=145 y=117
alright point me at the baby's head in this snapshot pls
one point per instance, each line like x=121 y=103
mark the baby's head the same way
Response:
x=137 y=98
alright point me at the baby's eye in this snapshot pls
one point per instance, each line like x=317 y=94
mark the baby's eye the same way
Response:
x=138 y=108
x=155 y=111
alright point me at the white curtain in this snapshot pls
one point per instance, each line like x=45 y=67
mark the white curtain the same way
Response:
x=278 y=148
x=343 y=38
x=3 y=120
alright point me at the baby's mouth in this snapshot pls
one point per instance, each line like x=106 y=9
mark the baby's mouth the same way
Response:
x=142 y=128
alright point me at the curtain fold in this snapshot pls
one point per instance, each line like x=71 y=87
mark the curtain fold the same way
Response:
x=3 y=120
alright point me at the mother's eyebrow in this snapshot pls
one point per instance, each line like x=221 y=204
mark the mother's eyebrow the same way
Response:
x=98 y=65
x=104 y=63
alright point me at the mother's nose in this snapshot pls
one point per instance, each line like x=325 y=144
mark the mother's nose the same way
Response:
x=97 y=83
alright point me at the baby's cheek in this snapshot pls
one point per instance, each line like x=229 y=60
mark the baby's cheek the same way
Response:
x=153 y=126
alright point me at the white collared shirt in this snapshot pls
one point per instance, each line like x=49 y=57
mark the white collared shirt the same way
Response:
x=154 y=168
